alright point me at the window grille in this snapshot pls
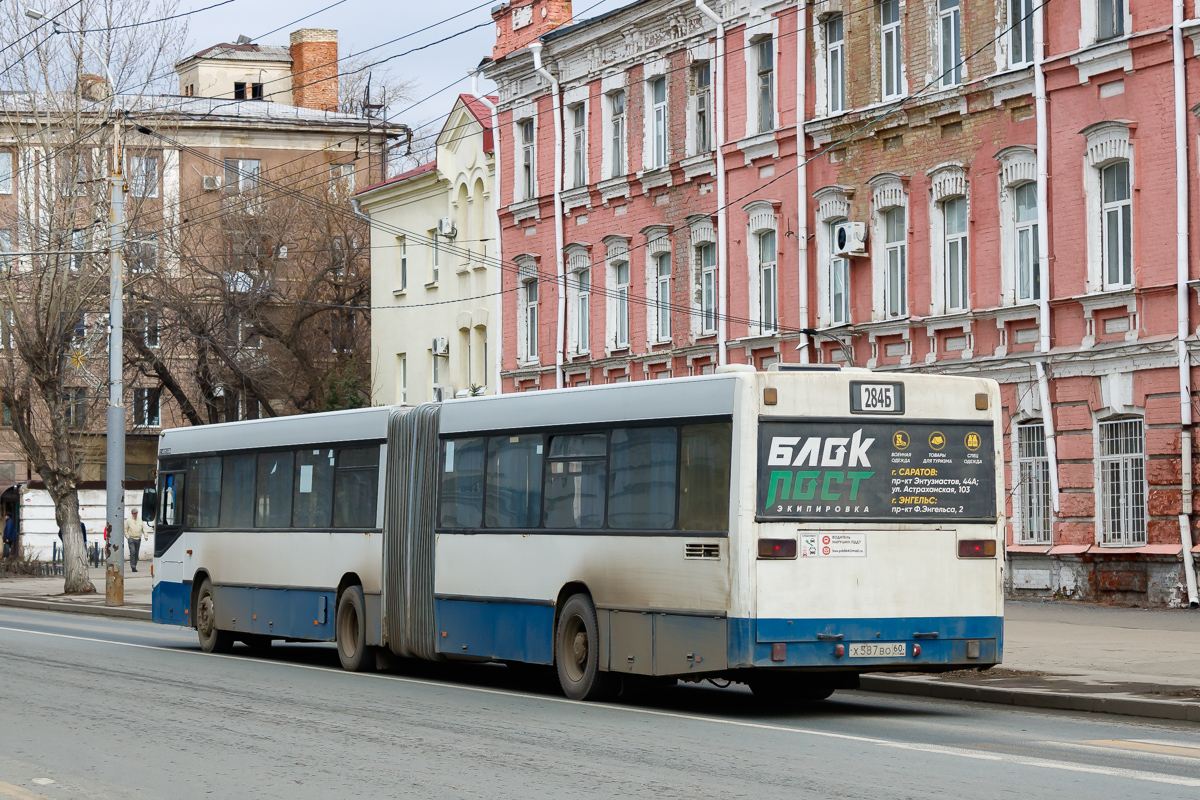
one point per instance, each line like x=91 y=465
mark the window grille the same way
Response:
x=1123 y=483
x=1034 y=488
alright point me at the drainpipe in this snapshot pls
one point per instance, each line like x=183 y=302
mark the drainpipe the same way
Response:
x=556 y=102
x=495 y=194
x=722 y=226
x=1043 y=195
x=1181 y=259
x=802 y=172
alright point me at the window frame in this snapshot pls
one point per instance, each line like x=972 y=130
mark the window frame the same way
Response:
x=1131 y=503
x=708 y=288
x=621 y=334
x=764 y=54
x=1033 y=474
x=578 y=145
x=1115 y=18
x=839 y=273
x=1122 y=210
x=950 y=66
x=662 y=296
x=617 y=108
x=895 y=259
x=768 y=281
x=1026 y=230
x=1020 y=41
x=142 y=398
x=583 y=310
x=956 y=262
x=835 y=64
x=890 y=51
x=702 y=108
x=660 y=152
x=530 y=298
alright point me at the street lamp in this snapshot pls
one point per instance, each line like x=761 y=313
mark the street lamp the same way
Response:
x=114 y=576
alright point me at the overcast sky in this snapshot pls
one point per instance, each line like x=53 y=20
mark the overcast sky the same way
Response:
x=363 y=24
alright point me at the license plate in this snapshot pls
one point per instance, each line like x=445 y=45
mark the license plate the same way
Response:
x=879 y=650
x=876 y=398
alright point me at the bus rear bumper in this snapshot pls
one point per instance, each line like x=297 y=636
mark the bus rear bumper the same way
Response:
x=930 y=643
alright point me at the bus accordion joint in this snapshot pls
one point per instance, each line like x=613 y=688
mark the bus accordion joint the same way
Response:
x=776 y=548
x=977 y=548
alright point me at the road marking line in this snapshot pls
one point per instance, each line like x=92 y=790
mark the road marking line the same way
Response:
x=1149 y=747
x=18 y=793
x=957 y=752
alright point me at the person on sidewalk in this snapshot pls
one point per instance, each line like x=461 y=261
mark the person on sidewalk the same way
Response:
x=135 y=529
x=10 y=536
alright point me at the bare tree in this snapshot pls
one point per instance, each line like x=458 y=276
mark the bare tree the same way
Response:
x=266 y=312
x=58 y=120
x=361 y=85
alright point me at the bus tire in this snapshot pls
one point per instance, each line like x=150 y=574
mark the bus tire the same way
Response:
x=351 y=632
x=577 y=651
x=212 y=638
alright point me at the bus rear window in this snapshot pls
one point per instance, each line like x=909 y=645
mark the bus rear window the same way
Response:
x=704 y=477
x=462 y=483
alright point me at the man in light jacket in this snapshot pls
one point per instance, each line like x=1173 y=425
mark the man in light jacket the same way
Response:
x=135 y=529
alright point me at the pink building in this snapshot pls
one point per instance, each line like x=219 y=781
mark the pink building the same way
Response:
x=968 y=203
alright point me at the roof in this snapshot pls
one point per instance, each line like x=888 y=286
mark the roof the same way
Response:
x=193 y=108
x=243 y=52
x=483 y=115
x=403 y=176
x=576 y=24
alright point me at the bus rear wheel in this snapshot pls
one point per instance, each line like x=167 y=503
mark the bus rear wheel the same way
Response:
x=351 y=632
x=577 y=651
x=212 y=638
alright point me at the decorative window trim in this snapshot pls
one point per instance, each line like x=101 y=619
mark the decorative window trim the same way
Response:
x=888 y=191
x=1018 y=164
x=701 y=229
x=1107 y=142
x=833 y=202
x=947 y=181
x=658 y=239
x=762 y=215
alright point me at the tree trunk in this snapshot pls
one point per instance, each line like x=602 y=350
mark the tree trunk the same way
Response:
x=75 y=569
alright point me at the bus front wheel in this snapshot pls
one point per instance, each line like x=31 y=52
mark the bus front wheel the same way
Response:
x=577 y=651
x=352 y=647
x=212 y=638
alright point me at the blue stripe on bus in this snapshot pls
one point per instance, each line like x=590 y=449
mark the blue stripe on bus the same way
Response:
x=512 y=631
x=750 y=641
x=169 y=603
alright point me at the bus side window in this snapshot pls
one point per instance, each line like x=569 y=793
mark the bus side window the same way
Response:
x=237 y=492
x=704 y=477
x=355 y=487
x=514 y=481
x=462 y=483
x=575 y=481
x=312 y=502
x=203 y=499
x=169 y=506
x=641 y=481
x=273 y=493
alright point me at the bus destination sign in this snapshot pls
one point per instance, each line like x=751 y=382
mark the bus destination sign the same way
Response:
x=860 y=470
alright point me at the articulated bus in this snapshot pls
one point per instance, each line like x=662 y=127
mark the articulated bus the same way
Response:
x=789 y=529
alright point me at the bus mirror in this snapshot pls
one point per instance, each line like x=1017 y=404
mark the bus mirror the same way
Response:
x=149 y=504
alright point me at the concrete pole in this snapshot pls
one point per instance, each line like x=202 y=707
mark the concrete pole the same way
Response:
x=114 y=576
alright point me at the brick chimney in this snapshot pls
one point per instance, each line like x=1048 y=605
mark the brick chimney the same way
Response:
x=520 y=22
x=315 y=69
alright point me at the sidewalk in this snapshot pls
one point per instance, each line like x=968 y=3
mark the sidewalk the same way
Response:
x=47 y=594
x=1081 y=657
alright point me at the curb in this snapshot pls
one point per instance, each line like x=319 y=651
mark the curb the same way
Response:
x=1035 y=698
x=121 y=612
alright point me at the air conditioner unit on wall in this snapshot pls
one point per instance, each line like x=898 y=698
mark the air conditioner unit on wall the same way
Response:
x=441 y=346
x=850 y=239
x=446 y=228
x=211 y=183
x=443 y=393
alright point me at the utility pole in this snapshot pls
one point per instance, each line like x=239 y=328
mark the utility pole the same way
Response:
x=114 y=477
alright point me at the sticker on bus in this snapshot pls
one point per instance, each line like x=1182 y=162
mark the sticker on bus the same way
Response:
x=833 y=545
x=817 y=470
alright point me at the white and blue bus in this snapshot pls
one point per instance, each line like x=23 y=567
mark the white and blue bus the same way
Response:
x=788 y=529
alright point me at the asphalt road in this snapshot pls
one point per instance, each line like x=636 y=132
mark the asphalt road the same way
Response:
x=101 y=708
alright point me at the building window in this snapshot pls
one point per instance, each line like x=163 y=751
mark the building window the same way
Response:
x=1034 y=487
x=765 y=51
x=768 y=309
x=1117 y=211
x=528 y=162
x=401 y=263
x=1123 y=482
x=702 y=78
x=949 y=43
x=531 y=319
x=1111 y=18
x=706 y=255
x=76 y=401
x=835 y=64
x=578 y=146
x=662 y=270
x=143 y=176
x=955 y=264
x=341 y=177
x=434 y=256
x=658 y=100
x=79 y=243
x=1028 y=275
x=6 y=246
x=146 y=408
x=256 y=91
x=1021 y=36
x=146 y=328
x=6 y=172
x=621 y=339
x=583 y=310
x=241 y=175
x=143 y=254
x=889 y=40
x=895 y=287
x=839 y=283
x=402 y=379
x=616 y=129
x=239 y=90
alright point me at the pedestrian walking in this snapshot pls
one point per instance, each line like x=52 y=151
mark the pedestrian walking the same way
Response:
x=135 y=529
x=10 y=536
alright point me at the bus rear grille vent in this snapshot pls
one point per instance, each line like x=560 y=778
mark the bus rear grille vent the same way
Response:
x=698 y=550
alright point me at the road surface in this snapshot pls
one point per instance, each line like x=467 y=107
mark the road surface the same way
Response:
x=293 y=725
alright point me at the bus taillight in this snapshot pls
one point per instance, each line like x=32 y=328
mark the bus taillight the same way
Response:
x=977 y=548
x=776 y=548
